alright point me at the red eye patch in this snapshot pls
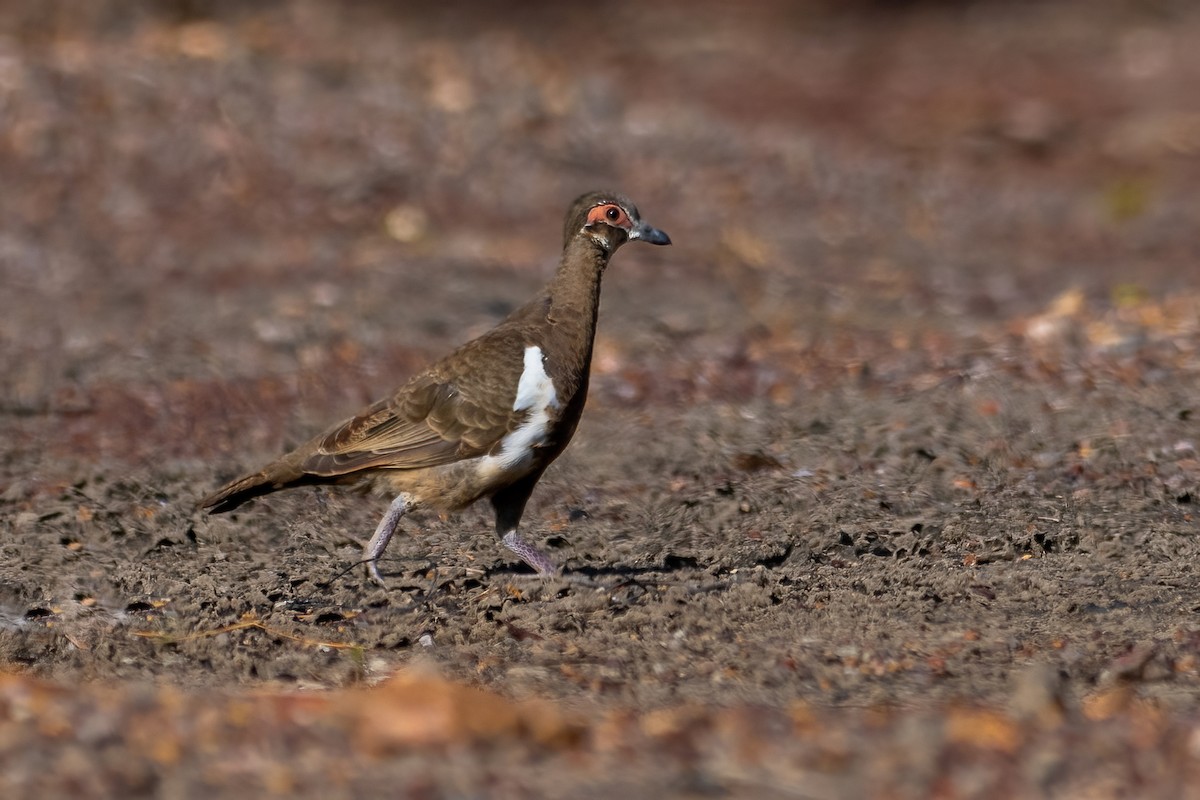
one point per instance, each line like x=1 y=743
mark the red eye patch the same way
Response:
x=610 y=213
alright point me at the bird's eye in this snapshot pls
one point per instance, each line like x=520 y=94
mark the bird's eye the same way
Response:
x=614 y=213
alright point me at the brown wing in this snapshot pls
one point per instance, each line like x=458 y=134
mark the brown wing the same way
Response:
x=459 y=408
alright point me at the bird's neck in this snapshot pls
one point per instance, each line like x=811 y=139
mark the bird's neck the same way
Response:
x=572 y=302
x=574 y=292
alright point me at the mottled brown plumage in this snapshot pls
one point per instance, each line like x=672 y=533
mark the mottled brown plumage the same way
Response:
x=486 y=420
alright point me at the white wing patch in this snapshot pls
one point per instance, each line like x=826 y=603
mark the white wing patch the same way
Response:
x=536 y=395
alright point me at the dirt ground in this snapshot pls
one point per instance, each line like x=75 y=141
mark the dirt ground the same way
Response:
x=887 y=481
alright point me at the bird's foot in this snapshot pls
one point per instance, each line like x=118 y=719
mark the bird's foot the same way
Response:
x=373 y=572
x=541 y=563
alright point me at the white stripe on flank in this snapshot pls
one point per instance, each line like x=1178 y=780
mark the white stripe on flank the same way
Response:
x=535 y=394
x=535 y=389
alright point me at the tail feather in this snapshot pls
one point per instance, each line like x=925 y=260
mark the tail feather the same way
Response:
x=270 y=479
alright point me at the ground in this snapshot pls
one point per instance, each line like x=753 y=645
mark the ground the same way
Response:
x=887 y=481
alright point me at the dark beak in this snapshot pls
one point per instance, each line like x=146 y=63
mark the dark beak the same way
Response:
x=645 y=233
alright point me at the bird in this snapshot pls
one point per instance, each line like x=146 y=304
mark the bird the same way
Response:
x=486 y=420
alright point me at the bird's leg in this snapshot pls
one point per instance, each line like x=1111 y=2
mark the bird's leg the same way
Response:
x=383 y=535
x=542 y=563
x=509 y=503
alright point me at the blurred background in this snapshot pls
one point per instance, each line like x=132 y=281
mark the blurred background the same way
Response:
x=217 y=191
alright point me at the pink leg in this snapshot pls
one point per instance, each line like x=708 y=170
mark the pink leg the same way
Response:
x=542 y=563
x=383 y=535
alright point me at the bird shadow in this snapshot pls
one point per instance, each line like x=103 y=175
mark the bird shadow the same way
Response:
x=674 y=571
x=654 y=578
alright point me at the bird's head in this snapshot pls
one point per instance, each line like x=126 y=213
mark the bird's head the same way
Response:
x=610 y=220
